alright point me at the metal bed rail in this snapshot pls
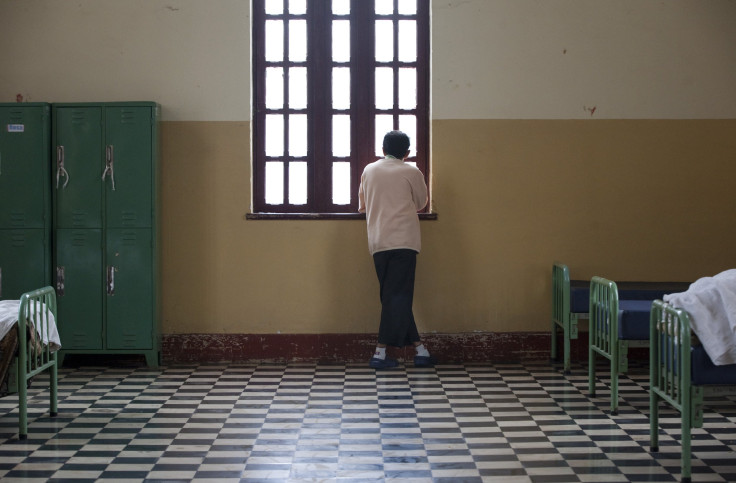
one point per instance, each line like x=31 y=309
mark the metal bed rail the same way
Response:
x=603 y=333
x=562 y=318
x=35 y=356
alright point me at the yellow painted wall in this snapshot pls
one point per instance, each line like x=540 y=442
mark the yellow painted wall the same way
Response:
x=626 y=199
x=524 y=171
x=222 y=273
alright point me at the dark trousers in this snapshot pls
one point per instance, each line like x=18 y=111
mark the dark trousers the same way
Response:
x=395 y=270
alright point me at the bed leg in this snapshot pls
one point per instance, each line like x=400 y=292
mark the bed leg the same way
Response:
x=591 y=361
x=567 y=336
x=591 y=372
x=22 y=393
x=565 y=329
x=54 y=390
x=553 y=342
x=686 y=424
x=614 y=380
x=653 y=421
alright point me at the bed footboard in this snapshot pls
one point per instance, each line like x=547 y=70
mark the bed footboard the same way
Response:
x=35 y=353
x=562 y=318
x=670 y=376
x=603 y=334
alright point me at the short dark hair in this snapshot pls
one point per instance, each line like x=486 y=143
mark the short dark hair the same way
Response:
x=396 y=143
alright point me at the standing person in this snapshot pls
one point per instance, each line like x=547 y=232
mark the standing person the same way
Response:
x=391 y=193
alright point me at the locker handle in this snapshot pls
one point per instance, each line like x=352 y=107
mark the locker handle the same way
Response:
x=60 y=281
x=109 y=162
x=110 y=280
x=60 y=170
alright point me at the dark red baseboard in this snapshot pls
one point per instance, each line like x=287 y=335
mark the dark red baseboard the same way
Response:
x=337 y=348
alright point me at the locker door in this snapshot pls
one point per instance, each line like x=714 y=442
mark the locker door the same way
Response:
x=79 y=287
x=24 y=157
x=129 y=289
x=22 y=262
x=129 y=154
x=78 y=140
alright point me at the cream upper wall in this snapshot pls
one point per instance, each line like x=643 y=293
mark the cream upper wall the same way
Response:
x=191 y=56
x=545 y=59
x=491 y=59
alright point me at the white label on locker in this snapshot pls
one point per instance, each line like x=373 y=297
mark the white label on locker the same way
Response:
x=16 y=127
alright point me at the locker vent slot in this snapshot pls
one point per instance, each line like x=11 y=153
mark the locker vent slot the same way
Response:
x=129 y=340
x=78 y=217
x=17 y=117
x=79 y=239
x=18 y=218
x=128 y=116
x=79 y=340
x=130 y=238
x=18 y=240
x=129 y=218
x=79 y=116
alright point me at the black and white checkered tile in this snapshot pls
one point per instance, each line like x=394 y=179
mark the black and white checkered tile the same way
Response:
x=305 y=422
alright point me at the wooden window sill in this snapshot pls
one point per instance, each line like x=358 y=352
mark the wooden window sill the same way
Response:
x=320 y=216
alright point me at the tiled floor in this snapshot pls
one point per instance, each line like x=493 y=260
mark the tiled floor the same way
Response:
x=500 y=422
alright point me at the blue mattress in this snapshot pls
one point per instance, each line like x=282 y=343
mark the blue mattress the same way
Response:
x=633 y=319
x=580 y=292
x=579 y=296
x=705 y=372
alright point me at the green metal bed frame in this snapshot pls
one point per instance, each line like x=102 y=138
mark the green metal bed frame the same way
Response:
x=670 y=378
x=33 y=356
x=603 y=336
x=562 y=318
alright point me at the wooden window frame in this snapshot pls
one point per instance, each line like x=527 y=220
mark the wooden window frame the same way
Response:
x=319 y=108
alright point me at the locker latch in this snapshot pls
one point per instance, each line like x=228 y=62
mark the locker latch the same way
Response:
x=60 y=281
x=109 y=161
x=110 y=280
x=60 y=170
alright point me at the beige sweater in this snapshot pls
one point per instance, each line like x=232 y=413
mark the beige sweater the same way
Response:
x=391 y=192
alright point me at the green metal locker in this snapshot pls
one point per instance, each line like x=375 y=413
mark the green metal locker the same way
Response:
x=25 y=199
x=128 y=186
x=79 y=163
x=79 y=283
x=107 y=157
x=129 y=296
x=24 y=260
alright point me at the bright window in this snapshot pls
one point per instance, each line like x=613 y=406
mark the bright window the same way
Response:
x=331 y=77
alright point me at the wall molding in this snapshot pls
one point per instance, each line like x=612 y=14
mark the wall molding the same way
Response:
x=350 y=348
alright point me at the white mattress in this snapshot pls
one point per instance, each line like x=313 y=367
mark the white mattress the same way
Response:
x=711 y=303
x=9 y=317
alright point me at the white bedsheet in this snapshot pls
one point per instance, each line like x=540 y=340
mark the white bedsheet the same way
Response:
x=9 y=316
x=711 y=302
